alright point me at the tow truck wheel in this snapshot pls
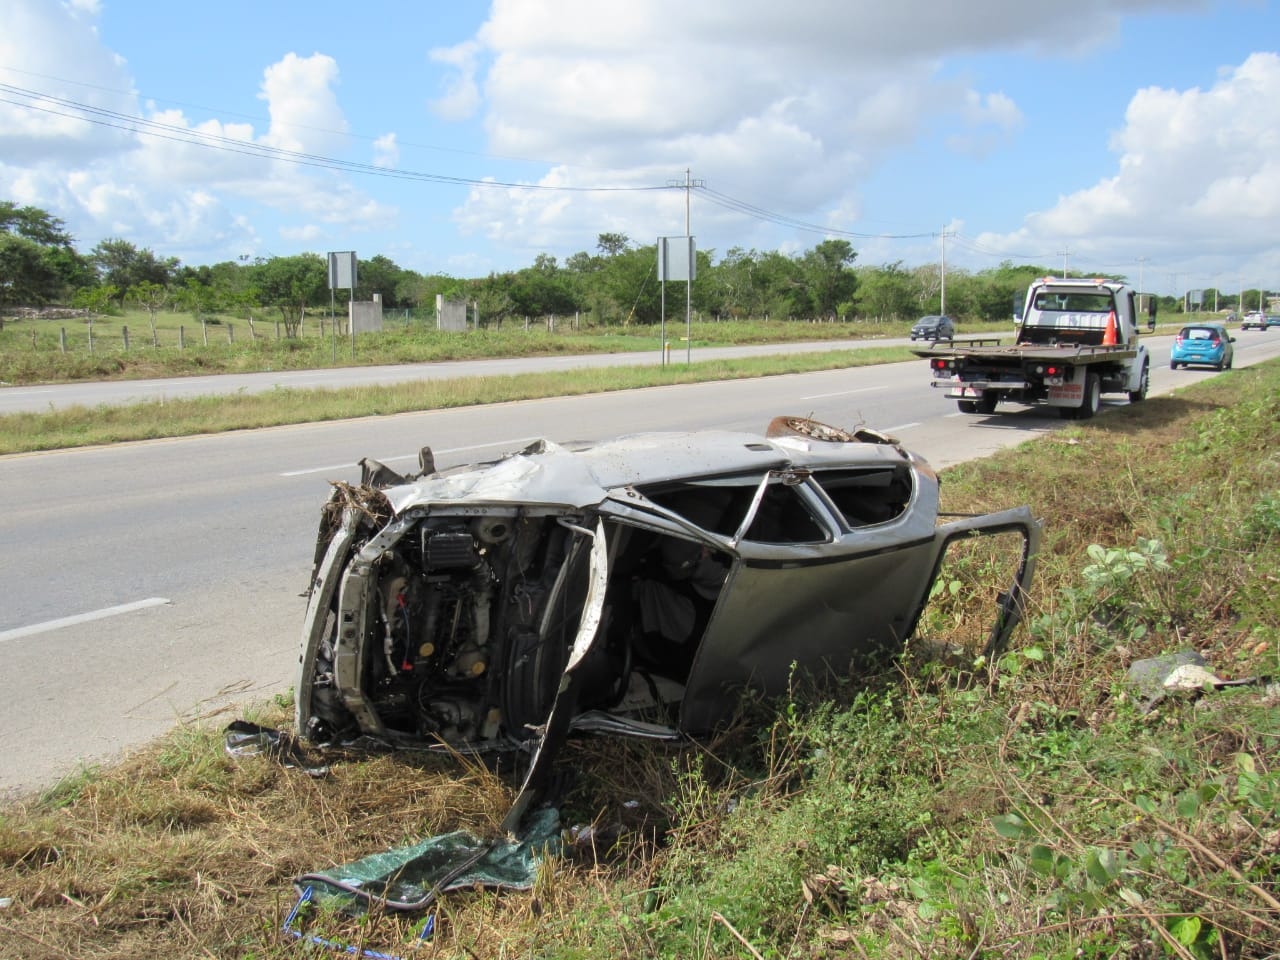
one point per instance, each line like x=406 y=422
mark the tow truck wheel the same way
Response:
x=1144 y=384
x=967 y=406
x=988 y=402
x=1092 y=397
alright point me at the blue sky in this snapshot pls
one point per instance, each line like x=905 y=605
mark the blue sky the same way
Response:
x=1135 y=136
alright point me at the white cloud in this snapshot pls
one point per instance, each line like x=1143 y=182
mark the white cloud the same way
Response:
x=1201 y=164
x=168 y=191
x=461 y=98
x=386 y=151
x=792 y=103
x=305 y=115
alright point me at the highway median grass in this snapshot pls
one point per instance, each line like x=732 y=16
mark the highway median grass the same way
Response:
x=81 y=426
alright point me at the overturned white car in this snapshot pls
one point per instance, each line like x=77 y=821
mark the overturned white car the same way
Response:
x=636 y=586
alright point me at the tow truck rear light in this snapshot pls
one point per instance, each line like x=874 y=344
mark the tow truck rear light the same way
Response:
x=1050 y=370
x=941 y=363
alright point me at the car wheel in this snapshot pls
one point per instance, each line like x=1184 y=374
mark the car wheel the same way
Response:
x=967 y=406
x=1173 y=364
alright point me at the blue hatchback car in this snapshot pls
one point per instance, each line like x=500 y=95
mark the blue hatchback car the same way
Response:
x=1203 y=344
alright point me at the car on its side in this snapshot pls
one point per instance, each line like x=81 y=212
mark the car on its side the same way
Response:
x=934 y=327
x=1253 y=321
x=635 y=586
x=1202 y=344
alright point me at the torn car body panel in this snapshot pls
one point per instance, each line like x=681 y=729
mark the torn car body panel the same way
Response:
x=636 y=586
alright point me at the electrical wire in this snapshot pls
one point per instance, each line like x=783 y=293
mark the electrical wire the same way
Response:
x=101 y=116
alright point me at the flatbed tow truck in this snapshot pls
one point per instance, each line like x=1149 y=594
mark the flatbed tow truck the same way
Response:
x=1076 y=339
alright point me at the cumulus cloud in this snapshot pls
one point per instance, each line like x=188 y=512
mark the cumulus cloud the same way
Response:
x=461 y=97
x=1202 y=164
x=158 y=176
x=793 y=105
x=305 y=115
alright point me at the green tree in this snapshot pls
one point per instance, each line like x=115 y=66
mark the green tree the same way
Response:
x=34 y=224
x=542 y=290
x=612 y=244
x=828 y=274
x=27 y=276
x=492 y=297
x=784 y=288
x=629 y=282
x=419 y=291
x=122 y=265
x=740 y=284
x=291 y=284
x=38 y=262
x=379 y=275
x=98 y=300
x=196 y=297
x=888 y=292
x=151 y=297
x=998 y=290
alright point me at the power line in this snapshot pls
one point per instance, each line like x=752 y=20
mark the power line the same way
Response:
x=779 y=219
x=100 y=116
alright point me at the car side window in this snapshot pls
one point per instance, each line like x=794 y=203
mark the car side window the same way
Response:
x=784 y=517
x=867 y=497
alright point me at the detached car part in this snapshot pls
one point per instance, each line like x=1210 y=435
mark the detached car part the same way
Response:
x=636 y=586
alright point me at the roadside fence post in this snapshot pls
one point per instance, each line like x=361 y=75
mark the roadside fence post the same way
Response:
x=231 y=332
x=125 y=331
x=62 y=339
x=204 y=331
x=182 y=338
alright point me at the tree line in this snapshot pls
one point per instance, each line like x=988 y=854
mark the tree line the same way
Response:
x=614 y=285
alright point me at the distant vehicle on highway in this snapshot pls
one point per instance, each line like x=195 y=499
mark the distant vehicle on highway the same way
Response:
x=1254 y=321
x=1203 y=344
x=934 y=328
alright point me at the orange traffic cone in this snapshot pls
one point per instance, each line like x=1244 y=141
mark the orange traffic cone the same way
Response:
x=1109 y=337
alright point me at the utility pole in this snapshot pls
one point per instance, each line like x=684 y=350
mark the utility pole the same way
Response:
x=1065 y=254
x=943 y=309
x=1142 y=261
x=689 y=184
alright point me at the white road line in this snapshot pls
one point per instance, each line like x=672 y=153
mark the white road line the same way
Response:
x=901 y=426
x=82 y=618
x=843 y=393
x=408 y=456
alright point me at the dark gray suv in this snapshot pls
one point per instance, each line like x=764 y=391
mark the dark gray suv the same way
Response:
x=933 y=328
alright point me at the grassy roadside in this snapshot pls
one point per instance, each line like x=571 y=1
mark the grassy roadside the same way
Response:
x=1037 y=810
x=80 y=426
x=32 y=351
